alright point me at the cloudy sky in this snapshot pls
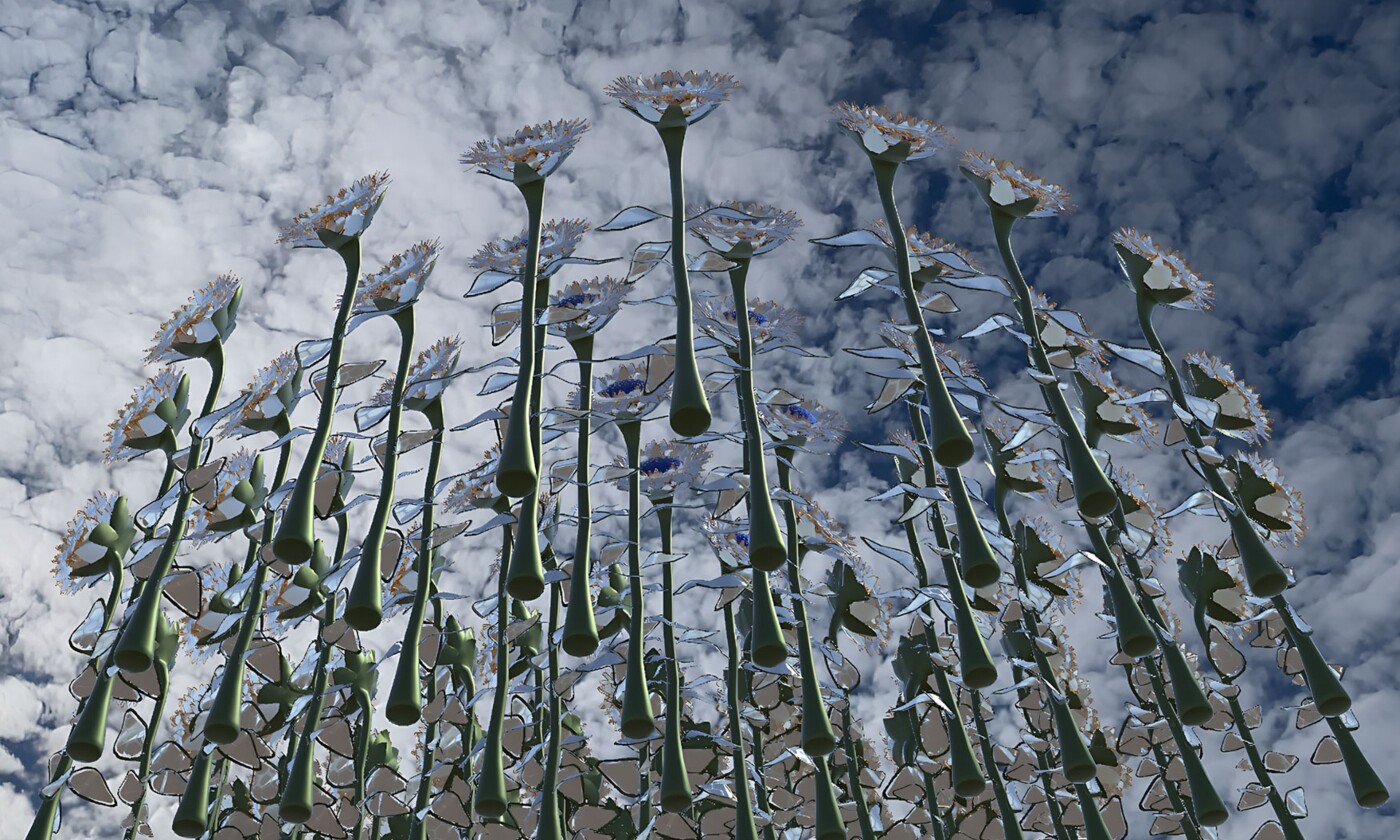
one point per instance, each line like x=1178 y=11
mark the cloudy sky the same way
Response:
x=146 y=147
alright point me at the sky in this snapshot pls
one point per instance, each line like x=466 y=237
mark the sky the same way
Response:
x=146 y=147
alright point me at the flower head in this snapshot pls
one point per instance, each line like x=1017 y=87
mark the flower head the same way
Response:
x=427 y=376
x=745 y=228
x=667 y=467
x=1240 y=414
x=770 y=323
x=1020 y=469
x=729 y=538
x=221 y=506
x=194 y=630
x=541 y=147
x=269 y=396
x=1268 y=500
x=585 y=306
x=628 y=393
x=807 y=423
x=400 y=281
x=477 y=488
x=347 y=213
x=878 y=129
x=695 y=94
x=143 y=418
x=79 y=556
x=1063 y=344
x=929 y=252
x=1162 y=274
x=206 y=317
x=821 y=532
x=1146 y=525
x=558 y=239
x=1008 y=184
x=1108 y=405
x=1043 y=552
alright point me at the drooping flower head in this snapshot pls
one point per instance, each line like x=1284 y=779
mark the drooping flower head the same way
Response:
x=150 y=412
x=1144 y=518
x=1005 y=184
x=347 y=213
x=585 y=306
x=206 y=317
x=1268 y=499
x=807 y=424
x=630 y=392
x=270 y=395
x=428 y=376
x=1240 y=414
x=1064 y=344
x=400 y=281
x=1108 y=405
x=770 y=323
x=1160 y=273
x=743 y=228
x=476 y=489
x=1043 y=553
x=79 y=556
x=223 y=504
x=878 y=130
x=667 y=467
x=558 y=239
x=541 y=147
x=729 y=538
x=695 y=94
x=928 y=252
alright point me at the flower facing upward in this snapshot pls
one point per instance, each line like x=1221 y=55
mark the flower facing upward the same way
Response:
x=347 y=213
x=78 y=551
x=262 y=401
x=427 y=376
x=1270 y=501
x=401 y=279
x=807 y=424
x=762 y=227
x=626 y=394
x=138 y=418
x=193 y=325
x=878 y=129
x=1010 y=184
x=1169 y=280
x=696 y=94
x=585 y=306
x=668 y=467
x=541 y=147
x=769 y=322
x=558 y=239
x=929 y=252
x=1241 y=415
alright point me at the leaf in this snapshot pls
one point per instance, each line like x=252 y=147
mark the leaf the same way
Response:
x=1143 y=357
x=630 y=217
x=865 y=281
x=850 y=239
x=89 y=784
x=487 y=282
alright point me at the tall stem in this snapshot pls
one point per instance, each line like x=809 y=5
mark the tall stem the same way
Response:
x=580 y=624
x=518 y=472
x=637 y=718
x=690 y=410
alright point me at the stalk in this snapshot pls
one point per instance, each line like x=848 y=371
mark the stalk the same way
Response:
x=676 y=795
x=491 y=800
x=549 y=827
x=518 y=472
x=767 y=552
x=580 y=624
x=637 y=718
x=743 y=807
x=298 y=792
x=526 y=579
x=690 y=411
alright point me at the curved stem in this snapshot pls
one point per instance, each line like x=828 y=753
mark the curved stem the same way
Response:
x=519 y=472
x=690 y=411
x=580 y=624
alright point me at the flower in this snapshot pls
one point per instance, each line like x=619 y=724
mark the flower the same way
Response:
x=477 y=488
x=427 y=376
x=206 y=317
x=195 y=629
x=1043 y=552
x=666 y=467
x=347 y=213
x=806 y=423
x=1240 y=413
x=1020 y=470
x=270 y=395
x=1141 y=515
x=729 y=538
x=585 y=306
x=1268 y=500
x=821 y=532
x=950 y=361
x=558 y=239
x=1166 y=278
x=79 y=556
x=628 y=393
x=761 y=227
x=1008 y=184
x=541 y=147
x=769 y=322
x=929 y=252
x=1107 y=404
x=400 y=281
x=878 y=129
x=146 y=416
x=695 y=94
x=223 y=507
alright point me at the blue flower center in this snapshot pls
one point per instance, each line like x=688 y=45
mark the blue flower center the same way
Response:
x=621 y=387
x=574 y=301
x=660 y=464
x=800 y=413
x=754 y=317
x=743 y=539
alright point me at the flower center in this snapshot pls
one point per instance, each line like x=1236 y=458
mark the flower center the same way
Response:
x=574 y=301
x=800 y=413
x=621 y=387
x=660 y=464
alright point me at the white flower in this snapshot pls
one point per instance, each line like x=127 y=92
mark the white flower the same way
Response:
x=1170 y=280
x=1010 y=184
x=262 y=401
x=1241 y=415
x=769 y=322
x=347 y=212
x=400 y=281
x=696 y=94
x=427 y=376
x=762 y=227
x=558 y=239
x=877 y=129
x=77 y=552
x=628 y=393
x=138 y=419
x=192 y=325
x=585 y=306
x=541 y=147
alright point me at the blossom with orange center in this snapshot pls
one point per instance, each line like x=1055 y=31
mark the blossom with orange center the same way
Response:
x=878 y=129
x=541 y=147
x=928 y=251
x=1009 y=184
x=347 y=212
x=1169 y=280
x=558 y=239
x=78 y=553
x=266 y=397
x=427 y=376
x=138 y=420
x=695 y=94
x=400 y=281
x=1240 y=414
x=770 y=323
x=731 y=225
x=477 y=488
x=1268 y=499
x=193 y=326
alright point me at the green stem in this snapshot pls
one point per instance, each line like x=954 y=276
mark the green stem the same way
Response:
x=491 y=798
x=580 y=624
x=518 y=473
x=743 y=806
x=767 y=551
x=637 y=718
x=690 y=411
